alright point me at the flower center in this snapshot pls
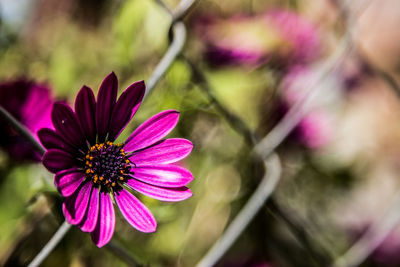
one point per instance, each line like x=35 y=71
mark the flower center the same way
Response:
x=107 y=164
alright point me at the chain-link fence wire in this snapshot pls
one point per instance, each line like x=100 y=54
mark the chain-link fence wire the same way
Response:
x=262 y=148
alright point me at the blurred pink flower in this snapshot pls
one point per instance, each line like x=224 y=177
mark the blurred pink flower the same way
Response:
x=277 y=35
x=30 y=103
x=316 y=128
x=386 y=253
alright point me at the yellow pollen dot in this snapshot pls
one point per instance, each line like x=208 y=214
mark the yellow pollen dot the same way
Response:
x=127 y=161
x=87 y=156
x=88 y=171
x=121 y=178
x=122 y=150
x=87 y=162
x=91 y=158
x=121 y=171
x=101 y=178
x=113 y=184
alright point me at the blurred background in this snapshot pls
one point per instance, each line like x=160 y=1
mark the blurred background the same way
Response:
x=255 y=58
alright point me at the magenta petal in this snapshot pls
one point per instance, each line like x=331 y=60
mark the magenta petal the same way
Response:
x=104 y=230
x=67 y=124
x=51 y=139
x=85 y=108
x=166 y=151
x=74 y=207
x=36 y=111
x=126 y=107
x=135 y=212
x=89 y=222
x=160 y=193
x=67 y=181
x=105 y=104
x=152 y=130
x=56 y=160
x=163 y=175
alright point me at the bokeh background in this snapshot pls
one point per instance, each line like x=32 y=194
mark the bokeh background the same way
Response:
x=340 y=165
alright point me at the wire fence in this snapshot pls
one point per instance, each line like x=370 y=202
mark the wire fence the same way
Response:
x=263 y=148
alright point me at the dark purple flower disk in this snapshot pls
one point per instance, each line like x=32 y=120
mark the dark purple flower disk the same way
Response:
x=91 y=171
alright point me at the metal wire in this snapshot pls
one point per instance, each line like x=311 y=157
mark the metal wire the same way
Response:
x=247 y=213
x=266 y=147
x=48 y=248
x=372 y=238
x=179 y=38
x=22 y=130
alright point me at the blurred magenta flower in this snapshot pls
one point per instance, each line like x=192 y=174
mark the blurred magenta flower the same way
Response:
x=280 y=36
x=387 y=253
x=314 y=131
x=91 y=171
x=316 y=128
x=30 y=103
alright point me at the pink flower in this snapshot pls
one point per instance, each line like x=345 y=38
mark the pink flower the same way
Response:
x=30 y=103
x=316 y=128
x=280 y=36
x=91 y=171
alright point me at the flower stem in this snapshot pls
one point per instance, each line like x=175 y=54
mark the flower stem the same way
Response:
x=49 y=247
x=121 y=253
